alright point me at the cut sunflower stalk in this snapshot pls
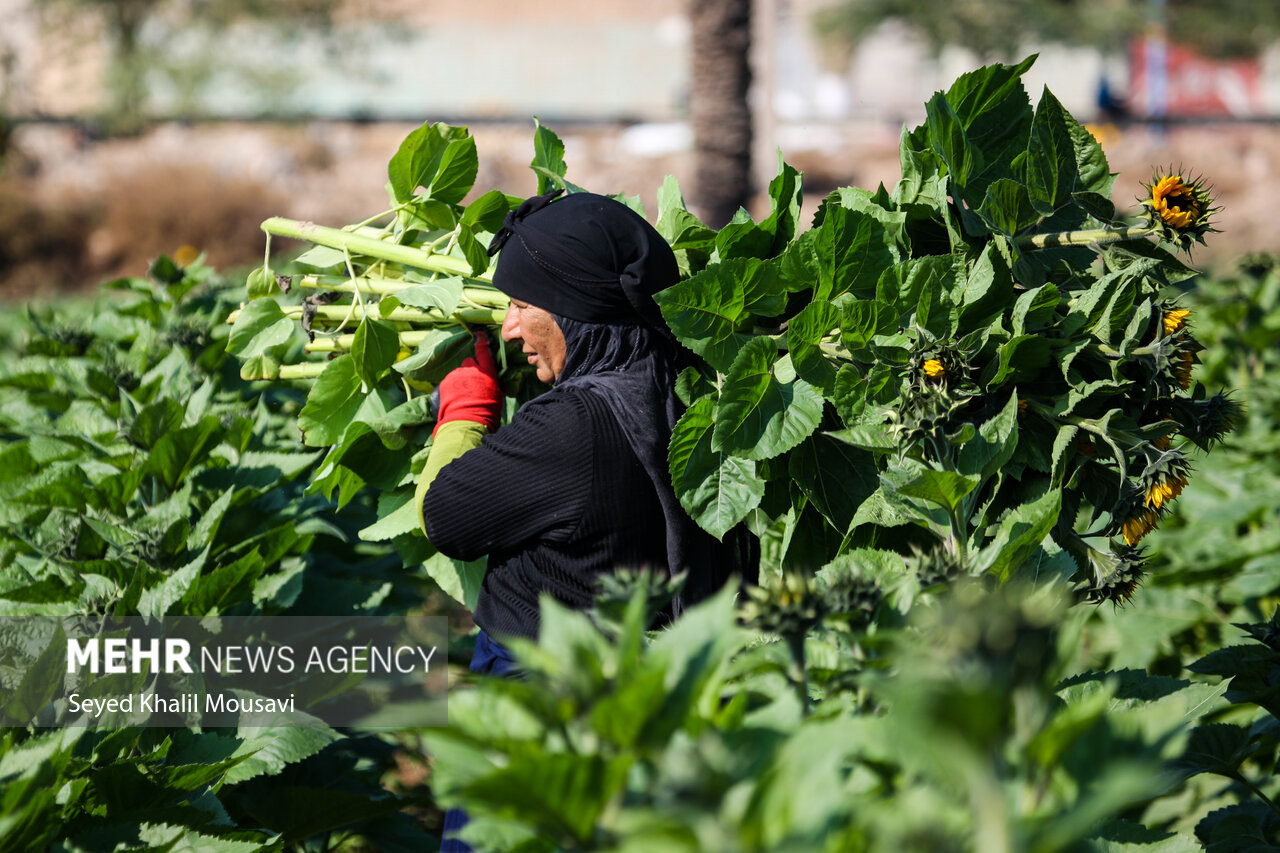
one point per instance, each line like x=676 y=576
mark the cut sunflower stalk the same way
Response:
x=1178 y=211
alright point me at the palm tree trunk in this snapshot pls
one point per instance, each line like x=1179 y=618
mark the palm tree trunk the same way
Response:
x=718 y=107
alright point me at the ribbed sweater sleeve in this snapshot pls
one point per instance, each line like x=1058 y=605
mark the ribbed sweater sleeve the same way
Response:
x=528 y=480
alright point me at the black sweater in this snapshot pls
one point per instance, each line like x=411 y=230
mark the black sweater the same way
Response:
x=555 y=498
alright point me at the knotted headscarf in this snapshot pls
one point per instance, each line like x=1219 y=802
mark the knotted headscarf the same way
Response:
x=595 y=264
x=585 y=256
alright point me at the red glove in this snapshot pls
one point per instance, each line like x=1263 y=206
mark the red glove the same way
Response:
x=470 y=392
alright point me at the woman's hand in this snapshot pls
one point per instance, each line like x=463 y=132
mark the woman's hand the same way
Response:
x=470 y=392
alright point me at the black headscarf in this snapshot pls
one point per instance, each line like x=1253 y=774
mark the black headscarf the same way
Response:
x=595 y=264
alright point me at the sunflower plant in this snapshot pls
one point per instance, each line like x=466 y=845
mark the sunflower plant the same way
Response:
x=980 y=361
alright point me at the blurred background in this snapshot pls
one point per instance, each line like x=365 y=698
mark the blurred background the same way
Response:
x=129 y=128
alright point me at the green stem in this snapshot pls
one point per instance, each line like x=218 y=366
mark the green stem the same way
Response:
x=305 y=370
x=1240 y=777
x=1087 y=237
x=401 y=314
x=478 y=295
x=799 y=674
x=360 y=244
x=410 y=338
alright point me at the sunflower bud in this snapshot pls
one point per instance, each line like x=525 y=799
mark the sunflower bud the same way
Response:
x=1164 y=479
x=1180 y=209
x=1115 y=576
x=788 y=607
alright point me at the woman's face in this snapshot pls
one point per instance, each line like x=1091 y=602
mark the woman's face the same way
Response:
x=539 y=335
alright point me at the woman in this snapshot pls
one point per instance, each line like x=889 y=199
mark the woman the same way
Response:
x=578 y=483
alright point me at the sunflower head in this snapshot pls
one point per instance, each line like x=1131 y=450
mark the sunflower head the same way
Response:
x=1174 y=320
x=938 y=566
x=1181 y=208
x=1115 y=576
x=1207 y=422
x=788 y=606
x=1164 y=479
x=1133 y=517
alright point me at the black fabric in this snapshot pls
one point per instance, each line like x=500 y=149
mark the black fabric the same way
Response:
x=634 y=369
x=555 y=499
x=595 y=264
x=579 y=482
x=585 y=256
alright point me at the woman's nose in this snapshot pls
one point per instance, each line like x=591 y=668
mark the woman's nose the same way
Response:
x=510 y=325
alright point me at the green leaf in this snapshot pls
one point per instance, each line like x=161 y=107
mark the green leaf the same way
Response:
x=332 y=403
x=851 y=251
x=1019 y=534
x=1215 y=748
x=178 y=452
x=947 y=137
x=679 y=227
x=943 y=488
x=269 y=750
x=156 y=601
x=397 y=515
x=477 y=254
x=835 y=476
x=902 y=284
x=805 y=333
x=716 y=489
x=560 y=794
x=259 y=283
x=985 y=292
x=760 y=414
x=993 y=446
x=762 y=291
x=691 y=384
x=440 y=351
x=439 y=158
x=1007 y=208
x=396 y=426
x=1036 y=307
x=863 y=319
x=225 y=586
x=321 y=257
x=707 y=312
x=1051 y=157
x=863 y=201
x=548 y=158
x=260 y=326
x=155 y=420
x=459 y=580
x=1093 y=173
x=441 y=294
x=374 y=349
x=488 y=212
x=1019 y=358
x=785 y=193
x=38 y=682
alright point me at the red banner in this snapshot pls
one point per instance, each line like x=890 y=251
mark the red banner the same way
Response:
x=1175 y=81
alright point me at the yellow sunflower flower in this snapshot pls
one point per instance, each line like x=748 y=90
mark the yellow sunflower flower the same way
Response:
x=1182 y=208
x=1164 y=491
x=1173 y=201
x=1175 y=320
x=933 y=368
x=1182 y=370
x=1138 y=525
